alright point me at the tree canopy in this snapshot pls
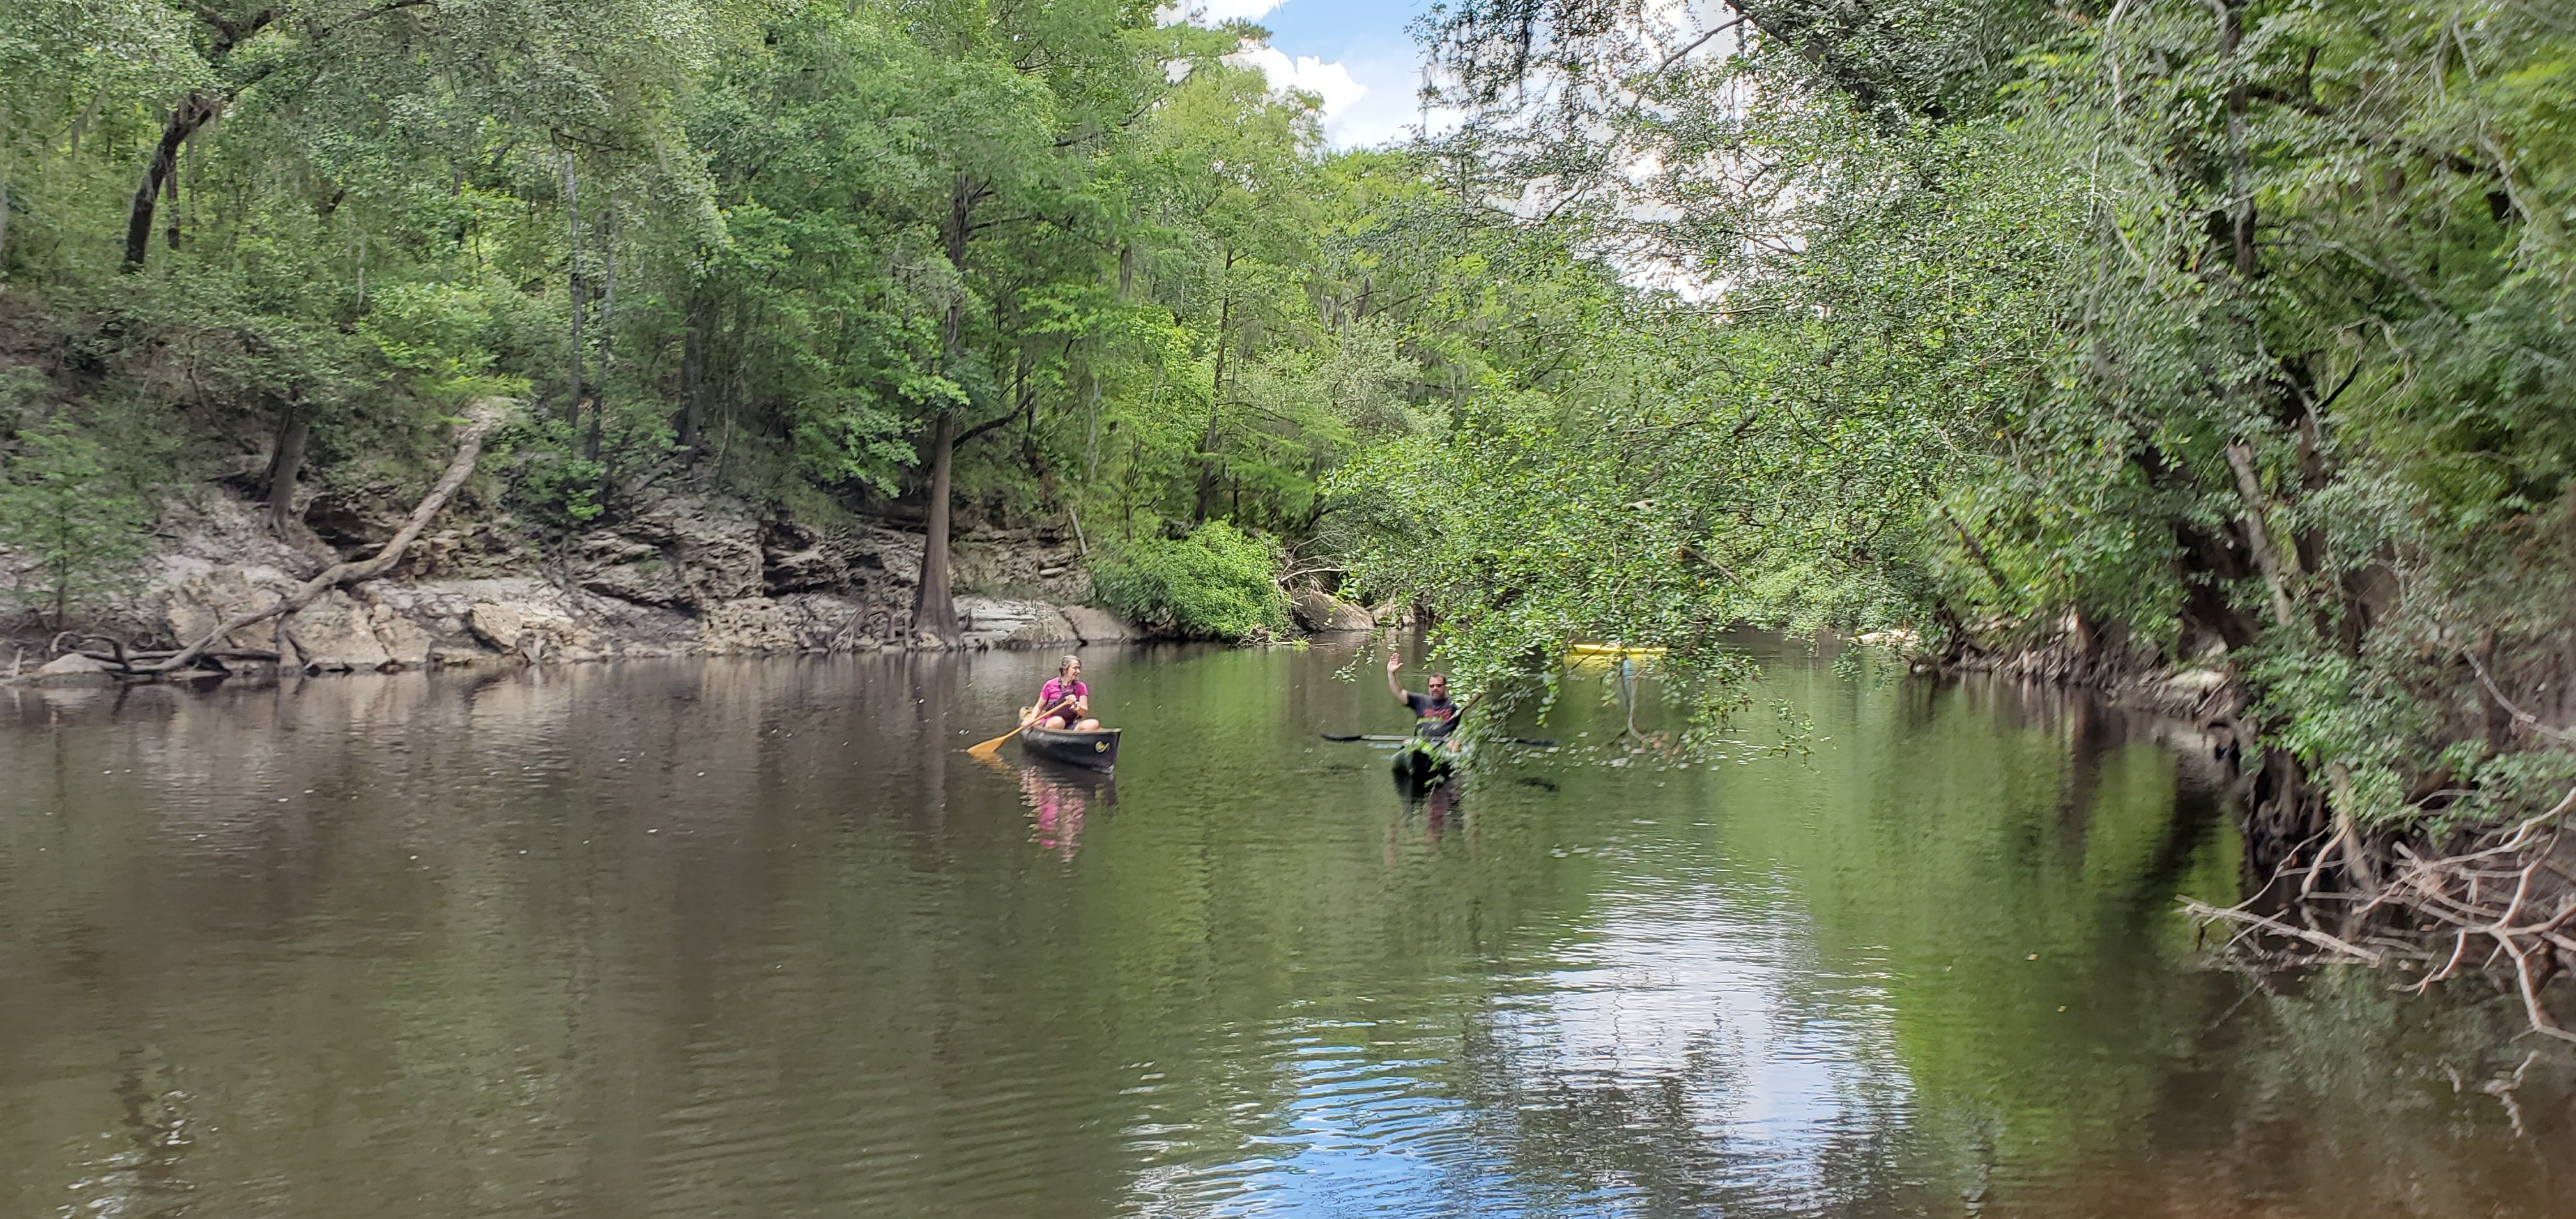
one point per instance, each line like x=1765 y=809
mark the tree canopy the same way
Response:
x=2235 y=332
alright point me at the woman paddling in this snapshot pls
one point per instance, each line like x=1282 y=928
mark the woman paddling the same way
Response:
x=1066 y=688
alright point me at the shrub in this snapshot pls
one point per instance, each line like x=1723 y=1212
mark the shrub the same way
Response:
x=1214 y=584
x=76 y=529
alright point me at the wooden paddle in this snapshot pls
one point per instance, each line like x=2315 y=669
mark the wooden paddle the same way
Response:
x=991 y=747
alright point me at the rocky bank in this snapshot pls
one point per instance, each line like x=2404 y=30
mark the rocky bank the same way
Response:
x=690 y=574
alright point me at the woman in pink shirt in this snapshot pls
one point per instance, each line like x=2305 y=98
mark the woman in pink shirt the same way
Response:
x=1066 y=687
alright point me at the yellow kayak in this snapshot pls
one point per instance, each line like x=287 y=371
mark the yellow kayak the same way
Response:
x=1609 y=651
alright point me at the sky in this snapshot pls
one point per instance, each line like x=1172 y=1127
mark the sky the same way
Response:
x=1354 y=53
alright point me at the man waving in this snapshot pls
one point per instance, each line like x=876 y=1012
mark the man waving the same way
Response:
x=1433 y=714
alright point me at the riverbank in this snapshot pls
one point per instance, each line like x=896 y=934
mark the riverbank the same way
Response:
x=687 y=574
x=2425 y=899
x=2206 y=690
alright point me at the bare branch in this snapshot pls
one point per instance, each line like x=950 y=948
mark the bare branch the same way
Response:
x=469 y=448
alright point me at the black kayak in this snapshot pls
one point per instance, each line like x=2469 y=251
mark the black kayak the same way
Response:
x=1089 y=750
x=1422 y=764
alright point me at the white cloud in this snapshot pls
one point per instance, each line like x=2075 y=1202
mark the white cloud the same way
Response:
x=1369 y=86
x=1391 y=104
x=1216 y=12
x=1330 y=81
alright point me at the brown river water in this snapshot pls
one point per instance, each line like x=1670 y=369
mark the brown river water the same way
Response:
x=754 y=938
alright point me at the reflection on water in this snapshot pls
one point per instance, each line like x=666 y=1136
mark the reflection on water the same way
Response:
x=756 y=938
x=1058 y=797
x=1433 y=810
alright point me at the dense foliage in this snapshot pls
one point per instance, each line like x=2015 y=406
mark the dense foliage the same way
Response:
x=72 y=524
x=1214 y=584
x=2234 y=332
x=824 y=255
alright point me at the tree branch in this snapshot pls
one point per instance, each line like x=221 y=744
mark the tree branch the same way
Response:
x=986 y=426
x=480 y=420
x=2249 y=488
x=1695 y=44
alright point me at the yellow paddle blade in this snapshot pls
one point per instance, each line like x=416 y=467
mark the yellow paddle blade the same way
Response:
x=994 y=746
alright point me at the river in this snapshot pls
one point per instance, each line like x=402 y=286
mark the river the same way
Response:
x=753 y=938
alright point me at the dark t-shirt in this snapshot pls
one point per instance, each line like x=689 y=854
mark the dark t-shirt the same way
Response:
x=1432 y=717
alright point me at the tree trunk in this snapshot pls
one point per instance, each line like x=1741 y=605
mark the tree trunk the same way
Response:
x=607 y=331
x=1090 y=424
x=170 y=222
x=934 y=609
x=2240 y=205
x=2258 y=532
x=693 y=376
x=1024 y=403
x=572 y=226
x=182 y=122
x=1216 y=401
x=284 y=464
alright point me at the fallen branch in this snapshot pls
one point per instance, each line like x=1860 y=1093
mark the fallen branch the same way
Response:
x=2205 y=914
x=479 y=421
x=132 y=658
x=2504 y=891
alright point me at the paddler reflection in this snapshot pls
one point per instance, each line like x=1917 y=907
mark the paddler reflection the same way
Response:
x=1439 y=811
x=1058 y=799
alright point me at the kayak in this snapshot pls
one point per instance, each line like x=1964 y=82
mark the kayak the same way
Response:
x=1421 y=764
x=1609 y=651
x=1096 y=750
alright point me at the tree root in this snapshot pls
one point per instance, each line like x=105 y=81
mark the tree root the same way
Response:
x=479 y=422
x=2507 y=892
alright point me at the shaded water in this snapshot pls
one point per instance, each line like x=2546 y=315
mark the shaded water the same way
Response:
x=752 y=938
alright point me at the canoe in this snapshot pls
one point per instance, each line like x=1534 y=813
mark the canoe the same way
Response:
x=1089 y=750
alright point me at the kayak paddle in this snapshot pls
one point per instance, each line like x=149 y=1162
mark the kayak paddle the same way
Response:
x=1373 y=736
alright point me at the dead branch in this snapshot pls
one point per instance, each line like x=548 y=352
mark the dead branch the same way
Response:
x=479 y=421
x=2205 y=914
x=2520 y=716
x=2503 y=891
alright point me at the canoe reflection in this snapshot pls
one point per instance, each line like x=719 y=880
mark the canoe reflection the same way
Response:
x=1058 y=797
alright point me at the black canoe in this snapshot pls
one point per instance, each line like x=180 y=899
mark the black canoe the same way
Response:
x=1088 y=750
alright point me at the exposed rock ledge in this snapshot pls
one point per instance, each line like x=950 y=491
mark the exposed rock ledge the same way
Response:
x=692 y=576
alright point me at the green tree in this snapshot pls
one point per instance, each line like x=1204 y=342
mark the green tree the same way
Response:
x=75 y=527
x=2233 y=330
x=1214 y=584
